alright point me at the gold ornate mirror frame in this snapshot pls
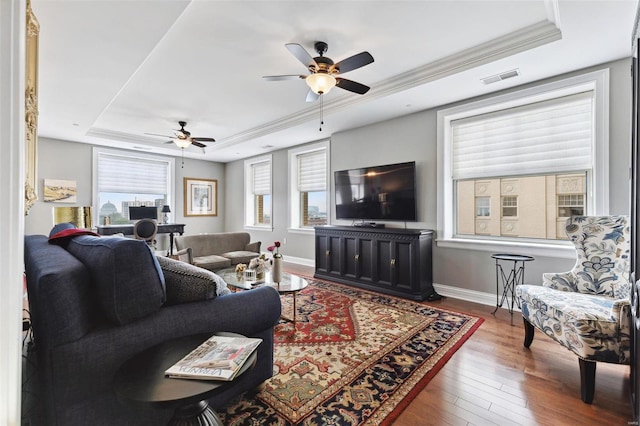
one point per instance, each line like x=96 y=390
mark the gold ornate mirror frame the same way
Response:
x=31 y=109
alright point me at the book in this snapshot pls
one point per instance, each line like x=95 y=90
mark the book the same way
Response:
x=217 y=358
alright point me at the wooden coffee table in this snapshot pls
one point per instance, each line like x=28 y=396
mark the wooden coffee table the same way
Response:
x=141 y=379
x=290 y=284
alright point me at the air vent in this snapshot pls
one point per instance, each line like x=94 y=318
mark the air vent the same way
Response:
x=502 y=76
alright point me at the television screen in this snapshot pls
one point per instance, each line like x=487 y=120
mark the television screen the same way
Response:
x=143 y=212
x=386 y=192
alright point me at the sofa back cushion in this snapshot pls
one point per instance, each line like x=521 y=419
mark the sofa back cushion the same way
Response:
x=126 y=275
x=218 y=243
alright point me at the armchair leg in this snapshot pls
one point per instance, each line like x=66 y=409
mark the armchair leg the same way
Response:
x=528 y=332
x=587 y=380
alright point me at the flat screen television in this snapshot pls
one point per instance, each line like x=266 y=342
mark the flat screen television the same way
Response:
x=386 y=192
x=143 y=212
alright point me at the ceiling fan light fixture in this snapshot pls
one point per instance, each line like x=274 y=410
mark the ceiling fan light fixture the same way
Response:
x=320 y=83
x=182 y=143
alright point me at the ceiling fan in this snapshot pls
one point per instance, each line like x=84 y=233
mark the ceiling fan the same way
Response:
x=324 y=71
x=183 y=137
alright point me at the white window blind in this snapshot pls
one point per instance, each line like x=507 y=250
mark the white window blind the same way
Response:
x=131 y=175
x=261 y=178
x=312 y=171
x=545 y=137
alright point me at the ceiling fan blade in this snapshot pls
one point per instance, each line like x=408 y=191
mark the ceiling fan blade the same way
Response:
x=171 y=141
x=352 y=86
x=198 y=144
x=155 y=134
x=312 y=96
x=283 y=77
x=353 y=62
x=203 y=140
x=301 y=54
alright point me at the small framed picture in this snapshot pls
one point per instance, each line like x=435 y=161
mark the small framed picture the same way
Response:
x=60 y=191
x=200 y=197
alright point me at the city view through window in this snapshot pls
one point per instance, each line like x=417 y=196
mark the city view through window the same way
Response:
x=115 y=206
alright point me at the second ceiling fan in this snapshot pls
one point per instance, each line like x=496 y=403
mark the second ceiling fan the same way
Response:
x=183 y=138
x=324 y=71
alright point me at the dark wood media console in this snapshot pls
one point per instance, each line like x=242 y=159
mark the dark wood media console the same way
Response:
x=388 y=260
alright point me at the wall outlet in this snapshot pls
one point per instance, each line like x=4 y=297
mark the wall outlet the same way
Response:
x=284 y=241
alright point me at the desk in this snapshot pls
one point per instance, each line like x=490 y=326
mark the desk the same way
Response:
x=509 y=282
x=127 y=229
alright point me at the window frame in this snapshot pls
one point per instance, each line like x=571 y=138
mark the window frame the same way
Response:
x=295 y=196
x=597 y=199
x=249 y=196
x=97 y=151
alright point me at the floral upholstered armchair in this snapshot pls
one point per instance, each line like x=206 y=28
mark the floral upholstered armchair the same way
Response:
x=586 y=309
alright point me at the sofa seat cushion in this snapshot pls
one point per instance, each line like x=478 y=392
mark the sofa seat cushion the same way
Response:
x=127 y=277
x=188 y=283
x=240 y=256
x=212 y=262
x=593 y=327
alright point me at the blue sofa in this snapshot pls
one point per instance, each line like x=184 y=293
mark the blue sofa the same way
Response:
x=96 y=301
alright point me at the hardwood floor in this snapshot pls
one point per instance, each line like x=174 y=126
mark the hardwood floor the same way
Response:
x=494 y=380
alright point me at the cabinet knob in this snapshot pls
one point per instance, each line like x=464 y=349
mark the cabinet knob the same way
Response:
x=393 y=262
x=327 y=253
x=357 y=257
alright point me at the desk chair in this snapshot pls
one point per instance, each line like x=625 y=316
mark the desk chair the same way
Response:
x=146 y=229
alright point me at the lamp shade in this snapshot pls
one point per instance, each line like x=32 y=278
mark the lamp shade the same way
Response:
x=320 y=82
x=166 y=209
x=79 y=216
x=182 y=143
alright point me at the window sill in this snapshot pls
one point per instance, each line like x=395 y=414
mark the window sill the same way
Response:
x=308 y=231
x=561 y=250
x=259 y=228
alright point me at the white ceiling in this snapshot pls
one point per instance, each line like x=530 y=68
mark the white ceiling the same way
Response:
x=112 y=70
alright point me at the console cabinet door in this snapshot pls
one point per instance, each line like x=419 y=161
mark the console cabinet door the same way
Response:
x=328 y=254
x=365 y=259
x=403 y=272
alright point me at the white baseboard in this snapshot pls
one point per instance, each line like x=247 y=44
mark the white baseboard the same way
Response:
x=300 y=261
x=480 y=297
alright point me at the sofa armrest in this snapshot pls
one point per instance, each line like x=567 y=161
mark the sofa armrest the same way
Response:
x=184 y=255
x=255 y=246
x=102 y=351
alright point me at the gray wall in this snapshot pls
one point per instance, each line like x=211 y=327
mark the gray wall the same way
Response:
x=413 y=137
x=59 y=159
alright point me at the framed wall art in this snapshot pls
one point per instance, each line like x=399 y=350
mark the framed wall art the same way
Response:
x=60 y=191
x=200 y=197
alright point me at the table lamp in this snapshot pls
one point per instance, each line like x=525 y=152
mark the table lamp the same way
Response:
x=165 y=214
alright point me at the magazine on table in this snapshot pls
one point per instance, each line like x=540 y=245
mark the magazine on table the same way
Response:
x=218 y=358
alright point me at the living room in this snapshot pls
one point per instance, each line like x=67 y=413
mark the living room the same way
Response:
x=466 y=273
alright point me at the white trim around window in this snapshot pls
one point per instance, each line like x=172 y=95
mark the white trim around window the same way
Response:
x=295 y=224
x=266 y=188
x=598 y=82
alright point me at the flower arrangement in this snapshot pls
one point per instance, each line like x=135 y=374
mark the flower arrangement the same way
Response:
x=259 y=264
x=275 y=249
x=240 y=268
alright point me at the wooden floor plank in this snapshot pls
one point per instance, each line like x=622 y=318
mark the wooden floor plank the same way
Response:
x=535 y=386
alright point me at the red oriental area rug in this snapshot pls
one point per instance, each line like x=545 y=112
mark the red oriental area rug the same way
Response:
x=353 y=357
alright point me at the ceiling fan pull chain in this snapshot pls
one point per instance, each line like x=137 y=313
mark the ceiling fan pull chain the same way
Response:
x=321 y=117
x=182 y=150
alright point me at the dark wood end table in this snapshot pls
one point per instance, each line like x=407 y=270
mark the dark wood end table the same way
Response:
x=141 y=379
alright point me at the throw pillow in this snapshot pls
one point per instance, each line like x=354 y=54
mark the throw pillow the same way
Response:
x=189 y=283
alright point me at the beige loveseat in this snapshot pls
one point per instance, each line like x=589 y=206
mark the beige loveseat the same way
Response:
x=219 y=250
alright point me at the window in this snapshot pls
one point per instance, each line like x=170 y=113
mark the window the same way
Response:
x=537 y=151
x=308 y=169
x=126 y=179
x=483 y=206
x=509 y=206
x=258 y=199
x=570 y=205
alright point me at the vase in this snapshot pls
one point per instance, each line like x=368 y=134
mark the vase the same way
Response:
x=276 y=273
